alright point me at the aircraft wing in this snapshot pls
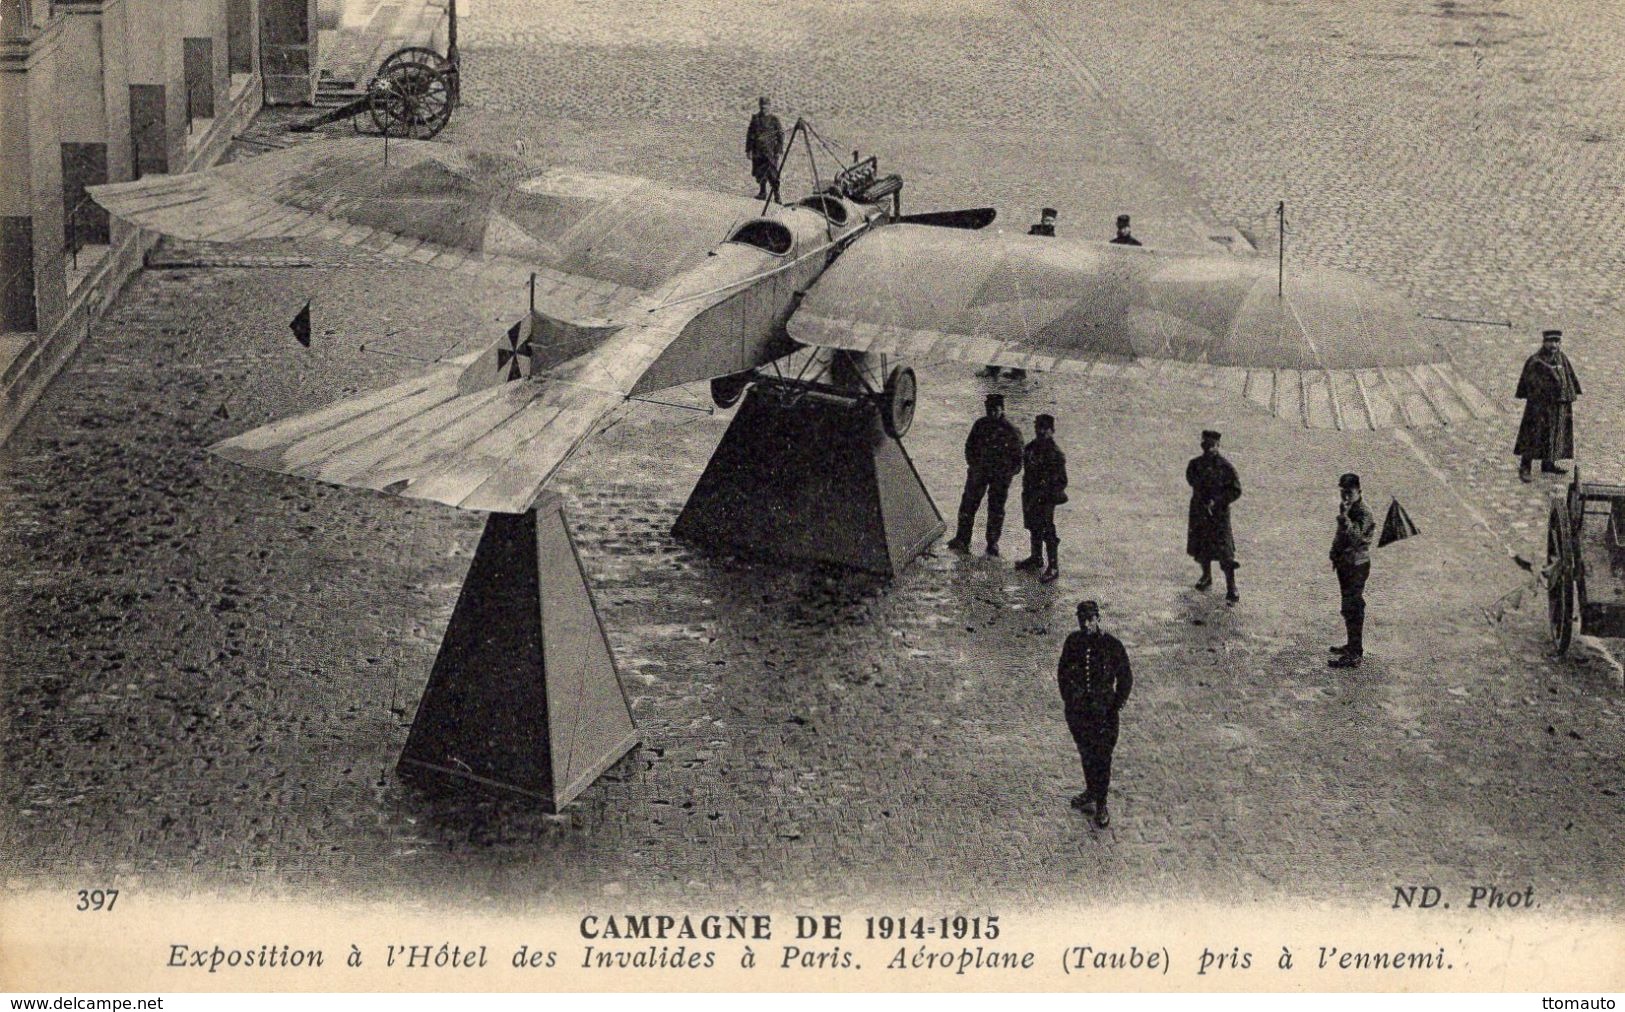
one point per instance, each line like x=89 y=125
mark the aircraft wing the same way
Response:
x=595 y=241
x=1334 y=351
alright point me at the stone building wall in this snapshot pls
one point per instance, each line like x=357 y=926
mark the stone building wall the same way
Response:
x=97 y=91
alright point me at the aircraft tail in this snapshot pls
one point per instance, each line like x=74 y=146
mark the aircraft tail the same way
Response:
x=491 y=447
x=533 y=346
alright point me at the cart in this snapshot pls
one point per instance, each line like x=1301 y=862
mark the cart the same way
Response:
x=412 y=96
x=1585 y=561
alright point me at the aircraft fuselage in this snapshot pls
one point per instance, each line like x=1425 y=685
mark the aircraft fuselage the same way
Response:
x=727 y=314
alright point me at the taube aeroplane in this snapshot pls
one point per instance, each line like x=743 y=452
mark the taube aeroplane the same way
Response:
x=640 y=286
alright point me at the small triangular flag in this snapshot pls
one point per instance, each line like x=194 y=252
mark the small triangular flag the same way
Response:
x=1398 y=526
x=301 y=326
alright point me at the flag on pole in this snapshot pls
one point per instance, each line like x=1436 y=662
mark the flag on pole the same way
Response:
x=1397 y=526
x=301 y=325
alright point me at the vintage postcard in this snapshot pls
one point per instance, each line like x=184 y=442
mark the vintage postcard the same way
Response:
x=790 y=495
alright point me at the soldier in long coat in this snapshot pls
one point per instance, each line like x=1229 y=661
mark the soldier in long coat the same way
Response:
x=1214 y=486
x=1095 y=681
x=1043 y=487
x=1548 y=387
x=764 y=143
x=992 y=459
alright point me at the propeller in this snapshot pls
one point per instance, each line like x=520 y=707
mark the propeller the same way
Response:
x=970 y=217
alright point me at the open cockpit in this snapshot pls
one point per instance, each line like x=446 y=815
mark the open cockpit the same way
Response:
x=765 y=234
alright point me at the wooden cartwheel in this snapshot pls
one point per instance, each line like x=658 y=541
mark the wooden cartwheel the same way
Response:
x=423 y=56
x=413 y=94
x=1585 y=562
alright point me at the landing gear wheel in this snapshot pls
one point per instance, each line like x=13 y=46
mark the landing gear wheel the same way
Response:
x=726 y=390
x=897 y=402
x=1560 y=574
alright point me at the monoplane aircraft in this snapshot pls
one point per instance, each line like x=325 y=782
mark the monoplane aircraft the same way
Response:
x=641 y=286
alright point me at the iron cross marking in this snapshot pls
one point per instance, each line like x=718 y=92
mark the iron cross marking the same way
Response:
x=508 y=358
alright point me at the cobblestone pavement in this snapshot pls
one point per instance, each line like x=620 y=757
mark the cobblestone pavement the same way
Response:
x=210 y=671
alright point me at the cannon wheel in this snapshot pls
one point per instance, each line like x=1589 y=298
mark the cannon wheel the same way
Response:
x=411 y=100
x=897 y=402
x=423 y=56
x=1561 y=569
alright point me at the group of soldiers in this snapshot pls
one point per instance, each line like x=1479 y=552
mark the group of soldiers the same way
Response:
x=994 y=455
x=1094 y=675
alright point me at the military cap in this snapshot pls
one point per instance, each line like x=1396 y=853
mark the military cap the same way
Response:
x=1045 y=421
x=1122 y=221
x=1210 y=435
x=1048 y=212
x=1551 y=335
x=994 y=400
x=1088 y=609
x=1349 y=480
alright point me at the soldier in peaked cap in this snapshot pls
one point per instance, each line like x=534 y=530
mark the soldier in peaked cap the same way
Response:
x=1124 y=237
x=1548 y=388
x=1095 y=681
x=1043 y=487
x=1351 y=560
x=1214 y=486
x=992 y=459
x=764 y=143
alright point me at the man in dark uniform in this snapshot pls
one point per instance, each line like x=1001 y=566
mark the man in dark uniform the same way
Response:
x=1548 y=387
x=1043 y=487
x=1214 y=486
x=993 y=457
x=1124 y=237
x=1045 y=226
x=1351 y=559
x=764 y=143
x=1095 y=682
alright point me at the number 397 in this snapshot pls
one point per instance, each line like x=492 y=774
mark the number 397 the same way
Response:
x=97 y=899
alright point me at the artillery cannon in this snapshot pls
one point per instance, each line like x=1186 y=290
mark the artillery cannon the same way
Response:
x=411 y=96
